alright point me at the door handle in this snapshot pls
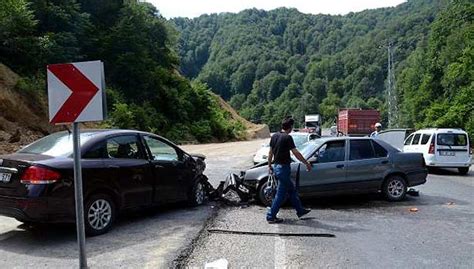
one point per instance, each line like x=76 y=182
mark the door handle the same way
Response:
x=384 y=162
x=339 y=166
x=113 y=166
x=158 y=166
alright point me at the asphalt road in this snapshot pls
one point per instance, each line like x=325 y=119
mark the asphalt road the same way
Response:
x=157 y=238
x=368 y=231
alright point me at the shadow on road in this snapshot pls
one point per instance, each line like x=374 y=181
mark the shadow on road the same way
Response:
x=373 y=201
x=132 y=228
x=448 y=172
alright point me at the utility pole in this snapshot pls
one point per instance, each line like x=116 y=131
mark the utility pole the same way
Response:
x=391 y=94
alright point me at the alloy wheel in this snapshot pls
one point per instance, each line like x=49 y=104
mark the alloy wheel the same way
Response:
x=99 y=214
x=396 y=188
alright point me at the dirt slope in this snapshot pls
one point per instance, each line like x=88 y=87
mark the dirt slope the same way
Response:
x=253 y=131
x=23 y=115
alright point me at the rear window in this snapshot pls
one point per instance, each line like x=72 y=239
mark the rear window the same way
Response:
x=452 y=139
x=361 y=149
x=380 y=152
x=56 y=145
x=425 y=138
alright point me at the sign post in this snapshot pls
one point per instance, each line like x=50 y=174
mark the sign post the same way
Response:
x=76 y=94
x=78 y=194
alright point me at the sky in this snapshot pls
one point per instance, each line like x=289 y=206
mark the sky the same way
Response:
x=195 y=8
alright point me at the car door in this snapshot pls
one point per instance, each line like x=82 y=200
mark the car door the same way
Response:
x=415 y=144
x=329 y=169
x=171 y=170
x=124 y=160
x=367 y=164
x=452 y=148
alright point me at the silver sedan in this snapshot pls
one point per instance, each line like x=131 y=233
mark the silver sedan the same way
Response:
x=348 y=165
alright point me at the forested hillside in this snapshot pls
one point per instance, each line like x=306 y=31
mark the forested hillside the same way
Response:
x=274 y=63
x=145 y=90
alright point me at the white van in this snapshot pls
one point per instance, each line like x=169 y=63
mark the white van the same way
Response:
x=441 y=147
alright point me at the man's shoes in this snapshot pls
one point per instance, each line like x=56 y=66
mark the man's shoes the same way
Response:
x=305 y=211
x=274 y=220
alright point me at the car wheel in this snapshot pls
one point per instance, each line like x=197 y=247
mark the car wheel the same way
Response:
x=395 y=188
x=197 y=194
x=264 y=198
x=99 y=214
x=463 y=170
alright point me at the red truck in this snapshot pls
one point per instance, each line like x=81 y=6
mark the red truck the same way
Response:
x=357 y=122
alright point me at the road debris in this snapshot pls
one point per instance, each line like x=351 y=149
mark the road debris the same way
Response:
x=413 y=209
x=232 y=191
x=413 y=192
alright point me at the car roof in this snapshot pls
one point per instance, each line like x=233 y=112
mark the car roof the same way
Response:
x=300 y=133
x=102 y=133
x=442 y=130
x=323 y=140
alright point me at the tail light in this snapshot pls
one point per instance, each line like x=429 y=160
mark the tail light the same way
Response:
x=38 y=175
x=432 y=148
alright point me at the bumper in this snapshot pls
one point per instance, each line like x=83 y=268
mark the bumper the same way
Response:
x=35 y=209
x=448 y=165
x=417 y=177
x=431 y=161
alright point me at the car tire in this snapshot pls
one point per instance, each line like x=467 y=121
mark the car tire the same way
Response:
x=99 y=214
x=463 y=170
x=197 y=194
x=263 y=199
x=394 y=188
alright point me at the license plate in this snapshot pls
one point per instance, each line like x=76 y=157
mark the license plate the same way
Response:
x=5 y=177
x=447 y=153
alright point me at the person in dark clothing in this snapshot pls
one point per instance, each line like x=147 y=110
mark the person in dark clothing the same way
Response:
x=281 y=144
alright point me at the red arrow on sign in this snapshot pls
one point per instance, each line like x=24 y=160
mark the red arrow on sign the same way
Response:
x=83 y=90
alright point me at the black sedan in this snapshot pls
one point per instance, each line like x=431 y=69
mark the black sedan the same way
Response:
x=347 y=165
x=122 y=169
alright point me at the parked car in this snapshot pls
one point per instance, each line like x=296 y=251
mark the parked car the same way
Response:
x=442 y=147
x=298 y=137
x=121 y=169
x=347 y=165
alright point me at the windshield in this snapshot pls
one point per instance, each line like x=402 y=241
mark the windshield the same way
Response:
x=308 y=148
x=56 y=145
x=299 y=140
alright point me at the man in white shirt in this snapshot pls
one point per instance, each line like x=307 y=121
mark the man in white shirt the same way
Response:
x=378 y=128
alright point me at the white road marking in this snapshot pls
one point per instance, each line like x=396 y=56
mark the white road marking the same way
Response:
x=280 y=253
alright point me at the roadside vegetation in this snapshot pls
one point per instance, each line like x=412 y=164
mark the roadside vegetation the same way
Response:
x=269 y=64
x=266 y=64
x=145 y=90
